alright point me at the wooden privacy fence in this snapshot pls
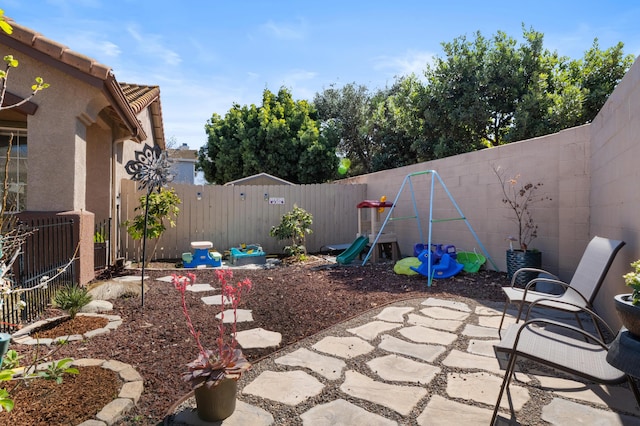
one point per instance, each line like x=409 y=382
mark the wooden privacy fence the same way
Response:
x=231 y=215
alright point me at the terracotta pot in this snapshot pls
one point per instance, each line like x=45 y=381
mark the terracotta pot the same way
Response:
x=628 y=313
x=217 y=402
x=517 y=259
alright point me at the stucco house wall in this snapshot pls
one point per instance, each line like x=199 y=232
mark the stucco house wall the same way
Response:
x=81 y=132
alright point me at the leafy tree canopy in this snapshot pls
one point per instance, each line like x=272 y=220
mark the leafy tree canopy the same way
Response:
x=281 y=137
x=482 y=92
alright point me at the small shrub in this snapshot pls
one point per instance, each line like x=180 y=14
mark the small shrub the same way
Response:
x=71 y=299
x=294 y=225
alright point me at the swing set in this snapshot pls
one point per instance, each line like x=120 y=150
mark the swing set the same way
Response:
x=407 y=182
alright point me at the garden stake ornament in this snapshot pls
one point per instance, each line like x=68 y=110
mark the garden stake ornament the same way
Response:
x=152 y=169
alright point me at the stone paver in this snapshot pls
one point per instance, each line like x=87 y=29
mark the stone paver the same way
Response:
x=452 y=304
x=484 y=387
x=326 y=366
x=494 y=321
x=216 y=299
x=441 y=412
x=399 y=398
x=289 y=387
x=200 y=288
x=424 y=352
x=620 y=398
x=393 y=314
x=399 y=369
x=244 y=414
x=438 y=312
x=342 y=413
x=466 y=360
x=561 y=412
x=371 y=330
x=482 y=347
x=421 y=334
x=242 y=315
x=258 y=338
x=344 y=347
x=446 y=325
x=478 y=331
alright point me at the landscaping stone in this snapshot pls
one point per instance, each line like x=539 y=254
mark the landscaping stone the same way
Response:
x=241 y=315
x=421 y=334
x=446 y=325
x=341 y=412
x=452 y=304
x=399 y=369
x=399 y=398
x=371 y=330
x=427 y=353
x=326 y=366
x=484 y=387
x=258 y=338
x=290 y=387
x=440 y=412
x=393 y=314
x=438 y=312
x=343 y=347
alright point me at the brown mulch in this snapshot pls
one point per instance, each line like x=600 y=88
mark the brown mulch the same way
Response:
x=41 y=402
x=296 y=300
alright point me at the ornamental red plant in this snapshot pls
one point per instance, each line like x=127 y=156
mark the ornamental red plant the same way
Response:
x=227 y=361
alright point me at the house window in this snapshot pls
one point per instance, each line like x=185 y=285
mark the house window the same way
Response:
x=16 y=180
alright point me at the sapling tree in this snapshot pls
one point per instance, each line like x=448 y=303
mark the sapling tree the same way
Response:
x=162 y=211
x=294 y=226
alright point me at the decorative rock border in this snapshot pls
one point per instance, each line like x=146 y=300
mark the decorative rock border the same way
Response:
x=23 y=336
x=128 y=396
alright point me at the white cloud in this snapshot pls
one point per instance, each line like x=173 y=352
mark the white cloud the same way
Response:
x=152 y=45
x=285 y=31
x=410 y=62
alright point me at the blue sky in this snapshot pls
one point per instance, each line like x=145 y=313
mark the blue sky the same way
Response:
x=207 y=55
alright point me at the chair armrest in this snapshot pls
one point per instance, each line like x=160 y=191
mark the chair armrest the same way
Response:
x=540 y=271
x=596 y=318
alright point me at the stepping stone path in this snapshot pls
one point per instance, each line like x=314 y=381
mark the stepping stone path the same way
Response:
x=389 y=362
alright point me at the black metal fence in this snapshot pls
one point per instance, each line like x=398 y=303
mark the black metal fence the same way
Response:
x=101 y=241
x=47 y=252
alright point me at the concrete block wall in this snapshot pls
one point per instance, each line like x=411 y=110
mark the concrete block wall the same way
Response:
x=591 y=174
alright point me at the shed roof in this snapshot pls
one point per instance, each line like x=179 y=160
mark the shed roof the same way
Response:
x=259 y=179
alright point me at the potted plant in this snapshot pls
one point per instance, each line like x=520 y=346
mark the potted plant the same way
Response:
x=520 y=197
x=628 y=304
x=214 y=373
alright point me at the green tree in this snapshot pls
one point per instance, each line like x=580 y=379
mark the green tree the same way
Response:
x=346 y=109
x=281 y=137
x=487 y=92
x=163 y=209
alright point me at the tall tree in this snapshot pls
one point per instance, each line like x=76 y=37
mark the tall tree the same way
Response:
x=487 y=92
x=281 y=137
x=346 y=110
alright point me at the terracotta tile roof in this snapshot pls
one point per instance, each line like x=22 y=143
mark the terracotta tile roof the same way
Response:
x=127 y=100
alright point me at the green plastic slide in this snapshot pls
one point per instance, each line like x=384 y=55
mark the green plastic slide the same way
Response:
x=349 y=254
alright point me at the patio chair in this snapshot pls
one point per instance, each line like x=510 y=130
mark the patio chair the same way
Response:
x=561 y=346
x=581 y=290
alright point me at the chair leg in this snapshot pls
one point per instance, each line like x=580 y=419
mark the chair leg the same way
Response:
x=505 y=384
x=634 y=388
x=504 y=312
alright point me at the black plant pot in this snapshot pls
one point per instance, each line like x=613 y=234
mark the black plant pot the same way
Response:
x=628 y=313
x=517 y=259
